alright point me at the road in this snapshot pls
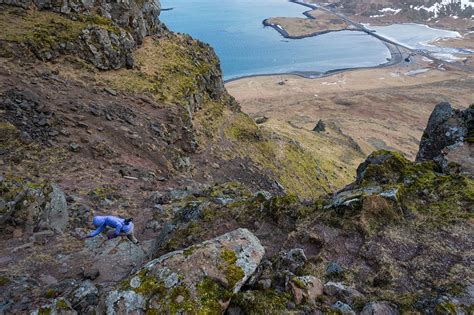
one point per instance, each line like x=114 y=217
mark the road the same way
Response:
x=396 y=49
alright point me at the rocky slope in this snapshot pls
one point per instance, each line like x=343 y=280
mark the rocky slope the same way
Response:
x=231 y=217
x=102 y=33
x=395 y=239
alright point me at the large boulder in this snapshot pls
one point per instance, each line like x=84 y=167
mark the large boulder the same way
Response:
x=382 y=167
x=33 y=207
x=200 y=278
x=113 y=259
x=56 y=213
x=448 y=137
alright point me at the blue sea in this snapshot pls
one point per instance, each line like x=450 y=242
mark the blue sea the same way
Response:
x=245 y=47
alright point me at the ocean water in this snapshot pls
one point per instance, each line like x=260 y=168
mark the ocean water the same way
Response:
x=245 y=47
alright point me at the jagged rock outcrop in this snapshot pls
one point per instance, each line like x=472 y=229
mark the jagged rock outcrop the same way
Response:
x=101 y=32
x=320 y=126
x=449 y=137
x=201 y=278
x=140 y=17
x=32 y=208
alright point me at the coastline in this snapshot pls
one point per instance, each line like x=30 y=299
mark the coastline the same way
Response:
x=285 y=34
x=396 y=56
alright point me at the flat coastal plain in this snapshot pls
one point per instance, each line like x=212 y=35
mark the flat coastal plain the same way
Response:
x=380 y=108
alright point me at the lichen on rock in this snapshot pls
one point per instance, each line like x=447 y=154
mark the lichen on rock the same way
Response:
x=204 y=279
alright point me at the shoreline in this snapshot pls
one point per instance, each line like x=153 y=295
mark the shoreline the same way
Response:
x=396 y=56
x=317 y=74
x=285 y=34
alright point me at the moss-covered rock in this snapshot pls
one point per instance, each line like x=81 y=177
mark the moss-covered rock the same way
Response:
x=391 y=185
x=261 y=302
x=197 y=280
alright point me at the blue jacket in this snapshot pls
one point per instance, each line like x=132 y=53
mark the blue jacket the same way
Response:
x=101 y=222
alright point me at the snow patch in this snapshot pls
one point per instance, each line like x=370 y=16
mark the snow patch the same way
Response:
x=437 y=7
x=393 y=11
x=417 y=71
x=447 y=57
x=427 y=60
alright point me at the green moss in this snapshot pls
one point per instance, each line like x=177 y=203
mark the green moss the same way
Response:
x=39 y=29
x=179 y=70
x=377 y=212
x=446 y=308
x=103 y=192
x=46 y=30
x=358 y=303
x=180 y=238
x=179 y=301
x=102 y=21
x=44 y=311
x=163 y=300
x=210 y=293
x=244 y=130
x=228 y=256
x=149 y=285
x=282 y=208
x=456 y=289
x=50 y=293
x=443 y=198
x=208 y=120
x=230 y=189
x=294 y=167
x=233 y=273
x=299 y=283
x=4 y=281
x=61 y=305
x=188 y=251
x=261 y=302
x=390 y=170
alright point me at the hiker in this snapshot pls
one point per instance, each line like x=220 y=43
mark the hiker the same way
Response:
x=119 y=227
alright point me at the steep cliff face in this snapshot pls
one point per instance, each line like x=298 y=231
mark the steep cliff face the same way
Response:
x=140 y=17
x=393 y=241
x=100 y=32
x=448 y=138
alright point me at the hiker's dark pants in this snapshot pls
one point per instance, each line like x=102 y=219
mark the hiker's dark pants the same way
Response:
x=129 y=235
